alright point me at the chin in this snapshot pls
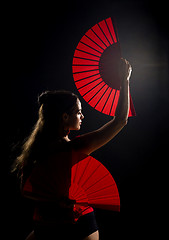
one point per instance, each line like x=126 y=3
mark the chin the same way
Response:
x=76 y=128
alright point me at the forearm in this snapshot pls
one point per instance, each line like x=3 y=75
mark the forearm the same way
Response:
x=123 y=105
x=113 y=127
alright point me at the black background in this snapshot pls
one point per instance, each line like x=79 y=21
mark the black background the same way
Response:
x=39 y=43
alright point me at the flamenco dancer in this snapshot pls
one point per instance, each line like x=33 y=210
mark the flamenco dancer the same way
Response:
x=46 y=156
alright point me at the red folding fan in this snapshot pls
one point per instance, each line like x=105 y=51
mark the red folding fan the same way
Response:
x=90 y=182
x=95 y=65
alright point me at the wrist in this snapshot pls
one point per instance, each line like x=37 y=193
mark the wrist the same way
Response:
x=125 y=82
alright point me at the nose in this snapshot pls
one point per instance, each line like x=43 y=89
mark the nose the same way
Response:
x=82 y=116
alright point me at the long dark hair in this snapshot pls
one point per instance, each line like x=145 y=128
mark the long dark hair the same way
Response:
x=52 y=105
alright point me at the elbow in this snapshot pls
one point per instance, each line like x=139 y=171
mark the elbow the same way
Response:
x=125 y=122
x=121 y=121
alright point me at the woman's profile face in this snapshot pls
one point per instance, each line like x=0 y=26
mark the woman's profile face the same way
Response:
x=74 y=120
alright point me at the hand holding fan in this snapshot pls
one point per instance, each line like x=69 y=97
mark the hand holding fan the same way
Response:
x=95 y=68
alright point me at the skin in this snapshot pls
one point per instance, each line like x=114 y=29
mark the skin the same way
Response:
x=93 y=236
x=90 y=142
x=73 y=121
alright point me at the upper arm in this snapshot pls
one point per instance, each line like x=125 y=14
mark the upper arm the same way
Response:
x=90 y=142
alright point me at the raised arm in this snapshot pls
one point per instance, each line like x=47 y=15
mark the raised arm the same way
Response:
x=88 y=143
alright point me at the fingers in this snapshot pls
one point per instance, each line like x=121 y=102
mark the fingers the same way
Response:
x=126 y=69
x=125 y=62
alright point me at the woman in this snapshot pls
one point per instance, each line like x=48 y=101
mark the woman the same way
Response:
x=44 y=163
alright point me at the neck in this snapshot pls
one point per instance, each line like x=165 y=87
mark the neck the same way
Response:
x=63 y=134
x=57 y=133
